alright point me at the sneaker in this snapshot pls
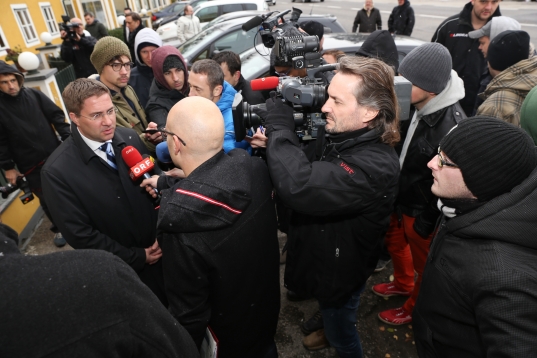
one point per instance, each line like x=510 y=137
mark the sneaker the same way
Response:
x=59 y=241
x=396 y=316
x=315 y=341
x=388 y=289
x=313 y=324
x=381 y=265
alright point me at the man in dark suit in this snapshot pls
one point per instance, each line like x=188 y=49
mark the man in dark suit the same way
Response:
x=92 y=199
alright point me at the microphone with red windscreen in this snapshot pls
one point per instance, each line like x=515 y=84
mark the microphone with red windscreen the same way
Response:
x=265 y=83
x=140 y=167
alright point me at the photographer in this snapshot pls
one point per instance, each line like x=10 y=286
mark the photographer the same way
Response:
x=77 y=48
x=342 y=199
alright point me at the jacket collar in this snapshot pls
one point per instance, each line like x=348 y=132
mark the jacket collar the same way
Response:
x=85 y=151
x=356 y=138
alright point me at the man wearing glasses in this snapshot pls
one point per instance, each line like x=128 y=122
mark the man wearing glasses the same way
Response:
x=464 y=50
x=112 y=59
x=436 y=91
x=479 y=286
x=93 y=200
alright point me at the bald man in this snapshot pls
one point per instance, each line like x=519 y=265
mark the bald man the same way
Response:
x=218 y=235
x=77 y=48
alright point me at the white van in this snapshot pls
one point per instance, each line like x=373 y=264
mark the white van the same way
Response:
x=209 y=11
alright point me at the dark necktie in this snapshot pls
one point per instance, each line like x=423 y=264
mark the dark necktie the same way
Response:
x=110 y=158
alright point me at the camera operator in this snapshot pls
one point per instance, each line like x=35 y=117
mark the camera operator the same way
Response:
x=77 y=48
x=27 y=136
x=342 y=199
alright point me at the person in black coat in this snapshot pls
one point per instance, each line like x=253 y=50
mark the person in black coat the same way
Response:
x=77 y=48
x=93 y=200
x=75 y=303
x=133 y=21
x=479 y=290
x=368 y=18
x=401 y=21
x=28 y=127
x=218 y=233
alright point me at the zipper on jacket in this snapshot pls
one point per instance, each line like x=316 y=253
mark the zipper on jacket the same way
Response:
x=434 y=243
x=337 y=251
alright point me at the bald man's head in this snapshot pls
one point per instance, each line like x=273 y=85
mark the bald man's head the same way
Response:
x=200 y=124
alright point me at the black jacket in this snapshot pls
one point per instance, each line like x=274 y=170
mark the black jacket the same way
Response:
x=401 y=21
x=87 y=303
x=250 y=96
x=478 y=297
x=27 y=124
x=217 y=229
x=161 y=101
x=97 y=29
x=341 y=208
x=132 y=37
x=78 y=53
x=468 y=61
x=415 y=196
x=380 y=44
x=367 y=23
x=140 y=80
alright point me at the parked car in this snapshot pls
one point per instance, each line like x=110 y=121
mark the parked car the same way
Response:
x=169 y=11
x=256 y=61
x=172 y=18
x=228 y=35
x=209 y=11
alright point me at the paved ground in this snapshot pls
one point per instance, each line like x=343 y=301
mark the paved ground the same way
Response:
x=378 y=340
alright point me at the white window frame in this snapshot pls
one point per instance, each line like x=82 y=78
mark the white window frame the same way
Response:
x=3 y=51
x=30 y=42
x=50 y=20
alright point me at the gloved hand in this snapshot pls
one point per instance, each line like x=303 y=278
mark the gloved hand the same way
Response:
x=278 y=115
x=425 y=223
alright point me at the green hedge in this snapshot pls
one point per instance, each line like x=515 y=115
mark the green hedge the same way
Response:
x=116 y=33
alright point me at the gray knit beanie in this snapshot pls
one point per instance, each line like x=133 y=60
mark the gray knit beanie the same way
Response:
x=427 y=67
x=478 y=145
x=106 y=49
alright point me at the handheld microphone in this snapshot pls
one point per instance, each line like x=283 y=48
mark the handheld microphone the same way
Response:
x=140 y=167
x=253 y=22
x=265 y=83
x=163 y=153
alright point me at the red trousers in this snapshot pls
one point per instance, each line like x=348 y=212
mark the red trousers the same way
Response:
x=409 y=254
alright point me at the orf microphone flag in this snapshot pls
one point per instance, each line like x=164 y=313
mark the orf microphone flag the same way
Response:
x=139 y=167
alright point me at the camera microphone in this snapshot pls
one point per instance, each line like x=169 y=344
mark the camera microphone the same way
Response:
x=252 y=23
x=139 y=166
x=265 y=83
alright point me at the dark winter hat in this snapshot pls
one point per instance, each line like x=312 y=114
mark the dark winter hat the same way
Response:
x=508 y=48
x=172 y=62
x=313 y=28
x=380 y=44
x=493 y=156
x=427 y=67
x=106 y=49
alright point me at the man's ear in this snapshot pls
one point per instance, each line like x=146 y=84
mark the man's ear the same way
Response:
x=237 y=75
x=73 y=118
x=217 y=91
x=176 y=145
x=369 y=115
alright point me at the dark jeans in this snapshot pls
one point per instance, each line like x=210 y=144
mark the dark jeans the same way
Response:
x=340 y=327
x=34 y=181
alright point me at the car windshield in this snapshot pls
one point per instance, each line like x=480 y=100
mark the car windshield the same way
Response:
x=205 y=36
x=252 y=61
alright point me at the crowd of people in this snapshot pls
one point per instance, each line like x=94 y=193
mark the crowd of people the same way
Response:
x=175 y=254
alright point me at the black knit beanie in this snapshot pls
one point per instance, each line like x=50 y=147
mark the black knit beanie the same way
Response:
x=508 y=48
x=493 y=156
x=172 y=62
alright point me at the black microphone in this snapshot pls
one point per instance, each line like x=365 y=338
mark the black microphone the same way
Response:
x=252 y=23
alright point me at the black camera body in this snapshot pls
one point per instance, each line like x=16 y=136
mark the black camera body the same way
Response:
x=21 y=184
x=68 y=27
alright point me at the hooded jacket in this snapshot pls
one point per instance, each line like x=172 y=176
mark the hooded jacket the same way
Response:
x=187 y=27
x=479 y=289
x=217 y=230
x=225 y=104
x=101 y=308
x=368 y=23
x=97 y=29
x=527 y=114
x=27 y=124
x=506 y=92
x=467 y=60
x=401 y=21
x=380 y=44
x=78 y=53
x=142 y=75
x=423 y=134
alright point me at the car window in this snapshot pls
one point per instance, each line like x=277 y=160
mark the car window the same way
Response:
x=178 y=8
x=204 y=36
x=249 y=6
x=237 y=41
x=201 y=56
x=231 y=8
x=207 y=14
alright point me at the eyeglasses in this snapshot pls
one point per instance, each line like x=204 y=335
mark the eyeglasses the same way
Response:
x=117 y=66
x=100 y=116
x=442 y=162
x=165 y=134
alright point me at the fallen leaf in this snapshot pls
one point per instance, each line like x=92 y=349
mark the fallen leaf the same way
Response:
x=391 y=278
x=387 y=355
x=396 y=338
x=413 y=342
x=410 y=326
x=382 y=328
x=407 y=335
x=390 y=330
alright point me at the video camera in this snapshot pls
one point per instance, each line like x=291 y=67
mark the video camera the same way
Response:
x=68 y=27
x=21 y=184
